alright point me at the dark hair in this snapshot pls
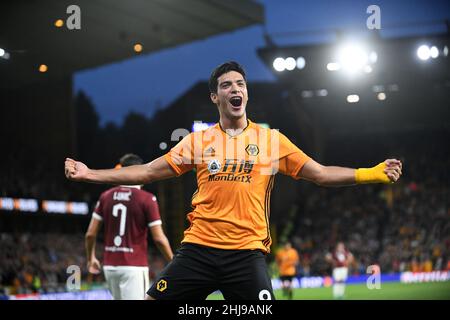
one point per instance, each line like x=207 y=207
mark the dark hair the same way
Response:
x=130 y=159
x=220 y=70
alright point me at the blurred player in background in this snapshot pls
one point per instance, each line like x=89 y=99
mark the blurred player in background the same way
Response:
x=340 y=259
x=126 y=212
x=225 y=246
x=287 y=259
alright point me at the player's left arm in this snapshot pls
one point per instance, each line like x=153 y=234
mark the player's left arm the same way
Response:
x=161 y=241
x=90 y=239
x=388 y=171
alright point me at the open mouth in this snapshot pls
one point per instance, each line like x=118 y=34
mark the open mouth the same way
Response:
x=236 y=101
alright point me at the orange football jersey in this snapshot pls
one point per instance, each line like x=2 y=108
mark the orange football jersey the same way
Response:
x=287 y=260
x=235 y=176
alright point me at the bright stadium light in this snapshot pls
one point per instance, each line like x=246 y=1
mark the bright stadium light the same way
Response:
x=373 y=57
x=43 y=68
x=445 y=51
x=2 y=52
x=352 y=98
x=333 y=66
x=279 y=64
x=137 y=48
x=301 y=62
x=381 y=96
x=59 y=23
x=353 y=58
x=290 y=63
x=434 y=52
x=424 y=52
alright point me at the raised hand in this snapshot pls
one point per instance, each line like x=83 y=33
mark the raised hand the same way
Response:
x=393 y=169
x=75 y=170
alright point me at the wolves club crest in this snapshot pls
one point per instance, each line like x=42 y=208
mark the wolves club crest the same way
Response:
x=252 y=149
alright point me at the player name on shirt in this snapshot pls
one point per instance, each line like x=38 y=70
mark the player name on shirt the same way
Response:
x=122 y=196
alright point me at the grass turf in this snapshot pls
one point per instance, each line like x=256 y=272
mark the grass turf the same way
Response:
x=388 y=291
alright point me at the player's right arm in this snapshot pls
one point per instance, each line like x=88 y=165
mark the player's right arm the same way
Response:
x=155 y=170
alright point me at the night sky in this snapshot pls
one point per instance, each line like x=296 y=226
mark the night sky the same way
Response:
x=144 y=83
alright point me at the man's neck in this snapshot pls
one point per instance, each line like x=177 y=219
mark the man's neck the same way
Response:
x=236 y=125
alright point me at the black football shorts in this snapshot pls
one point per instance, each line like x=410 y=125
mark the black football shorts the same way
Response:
x=197 y=271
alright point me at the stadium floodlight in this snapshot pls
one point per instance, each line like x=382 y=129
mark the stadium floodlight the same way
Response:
x=423 y=52
x=137 y=47
x=373 y=57
x=43 y=68
x=381 y=96
x=290 y=63
x=434 y=52
x=59 y=23
x=301 y=62
x=445 y=51
x=353 y=58
x=352 y=98
x=279 y=64
x=333 y=66
x=367 y=69
x=2 y=52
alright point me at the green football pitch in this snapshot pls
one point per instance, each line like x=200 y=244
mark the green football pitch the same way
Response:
x=388 y=291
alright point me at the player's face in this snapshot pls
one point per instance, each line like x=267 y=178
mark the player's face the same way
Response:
x=231 y=96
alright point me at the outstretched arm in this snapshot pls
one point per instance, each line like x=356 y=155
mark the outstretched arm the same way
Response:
x=158 y=169
x=388 y=171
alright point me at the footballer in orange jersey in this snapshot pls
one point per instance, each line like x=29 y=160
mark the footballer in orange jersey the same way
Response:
x=287 y=259
x=225 y=245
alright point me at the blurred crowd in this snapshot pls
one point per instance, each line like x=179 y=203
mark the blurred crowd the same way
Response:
x=411 y=234
x=39 y=263
x=401 y=227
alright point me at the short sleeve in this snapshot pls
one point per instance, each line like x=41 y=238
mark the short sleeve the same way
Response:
x=152 y=211
x=291 y=158
x=181 y=157
x=98 y=210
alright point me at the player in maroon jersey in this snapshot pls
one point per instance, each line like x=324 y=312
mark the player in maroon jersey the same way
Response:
x=126 y=212
x=340 y=258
